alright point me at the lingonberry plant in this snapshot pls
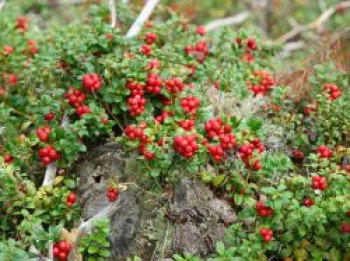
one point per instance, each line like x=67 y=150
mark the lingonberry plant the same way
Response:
x=160 y=95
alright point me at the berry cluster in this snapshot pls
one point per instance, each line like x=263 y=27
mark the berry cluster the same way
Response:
x=319 y=182
x=92 y=82
x=61 y=250
x=332 y=91
x=82 y=109
x=112 y=194
x=135 y=133
x=265 y=82
x=186 y=145
x=324 y=152
x=216 y=151
x=246 y=153
x=227 y=141
x=75 y=97
x=187 y=124
x=190 y=104
x=266 y=234
x=146 y=50
x=150 y=38
x=135 y=88
x=22 y=24
x=71 y=199
x=153 y=84
x=136 y=105
x=215 y=127
x=43 y=133
x=263 y=210
x=174 y=85
x=48 y=154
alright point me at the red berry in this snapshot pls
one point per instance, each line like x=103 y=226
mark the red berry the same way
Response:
x=22 y=24
x=297 y=154
x=71 y=198
x=266 y=234
x=201 y=30
x=263 y=210
x=345 y=228
x=8 y=158
x=308 y=202
x=8 y=50
x=112 y=194
x=49 y=116
x=251 y=44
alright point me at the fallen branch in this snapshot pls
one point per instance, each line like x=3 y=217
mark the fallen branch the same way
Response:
x=237 y=19
x=314 y=25
x=142 y=18
x=113 y=12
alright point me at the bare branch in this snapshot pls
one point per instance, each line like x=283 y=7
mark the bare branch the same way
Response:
x=142 y=18
x=237 y=19
x=113 y=12
x=314 y=25
x=51 y=169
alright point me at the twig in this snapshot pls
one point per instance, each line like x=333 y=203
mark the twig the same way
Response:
x=142 y=18
x=113 y=12
x=290 y=47
x=51 y=169
x=237 y=19
x=314 y=25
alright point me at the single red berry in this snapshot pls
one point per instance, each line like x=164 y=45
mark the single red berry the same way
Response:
x=201 y=30
x=49 y=116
